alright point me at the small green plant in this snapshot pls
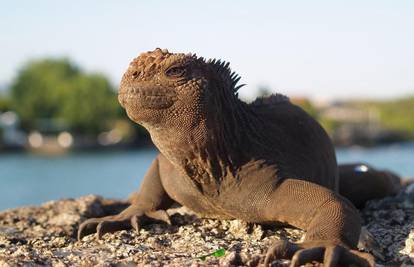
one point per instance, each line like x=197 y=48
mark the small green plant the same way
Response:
x=218 y=253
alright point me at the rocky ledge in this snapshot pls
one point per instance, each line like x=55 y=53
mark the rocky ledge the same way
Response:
x=46 y=235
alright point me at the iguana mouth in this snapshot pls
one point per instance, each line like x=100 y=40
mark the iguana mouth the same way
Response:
x=149 y=98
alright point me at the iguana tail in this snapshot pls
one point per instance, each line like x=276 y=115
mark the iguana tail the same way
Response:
x=360 y=182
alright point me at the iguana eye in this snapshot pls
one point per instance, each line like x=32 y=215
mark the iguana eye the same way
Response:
x=135 y=74
x=176 y=72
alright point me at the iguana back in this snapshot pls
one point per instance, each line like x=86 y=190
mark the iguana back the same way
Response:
x=301 y=145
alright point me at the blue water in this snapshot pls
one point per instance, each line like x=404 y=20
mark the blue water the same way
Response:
x=27 y=179
x=398 y=157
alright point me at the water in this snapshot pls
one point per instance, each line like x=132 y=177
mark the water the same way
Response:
x=27 y=179
x=398 y=157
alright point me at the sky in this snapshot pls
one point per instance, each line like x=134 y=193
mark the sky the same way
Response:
x=318 y=49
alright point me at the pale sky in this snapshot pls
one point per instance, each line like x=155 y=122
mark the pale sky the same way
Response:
x=321 y=49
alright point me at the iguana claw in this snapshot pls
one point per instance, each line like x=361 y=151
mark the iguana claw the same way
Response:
x=123 y=221
x=330 y=254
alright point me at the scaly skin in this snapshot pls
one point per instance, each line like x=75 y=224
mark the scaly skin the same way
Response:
x=262 y=162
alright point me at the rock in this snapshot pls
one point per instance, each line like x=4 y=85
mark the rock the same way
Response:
x=390 y=221
x=409 y=246
x=46 y=235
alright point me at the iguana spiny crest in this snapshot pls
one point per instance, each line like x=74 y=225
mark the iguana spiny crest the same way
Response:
x=159 y=80
x=191 y=104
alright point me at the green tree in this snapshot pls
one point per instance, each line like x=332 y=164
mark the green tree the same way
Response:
x=397 y=114
x=90 y=104
x=58 y=90
x=5 y=103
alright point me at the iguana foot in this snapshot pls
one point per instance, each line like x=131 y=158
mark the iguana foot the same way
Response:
x=330 y=254
x=129 y=218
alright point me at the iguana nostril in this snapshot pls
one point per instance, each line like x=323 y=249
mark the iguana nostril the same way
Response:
x=134 y=91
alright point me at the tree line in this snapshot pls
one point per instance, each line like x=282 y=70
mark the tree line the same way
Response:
x=60 y=93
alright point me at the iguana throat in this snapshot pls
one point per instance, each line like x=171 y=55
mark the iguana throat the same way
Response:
x=207 y=151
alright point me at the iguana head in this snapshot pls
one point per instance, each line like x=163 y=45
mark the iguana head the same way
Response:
x=162 y=88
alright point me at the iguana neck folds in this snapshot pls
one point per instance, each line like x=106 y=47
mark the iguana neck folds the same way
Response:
x=210 y=150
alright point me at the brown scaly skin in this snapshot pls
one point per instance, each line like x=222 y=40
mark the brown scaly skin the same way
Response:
x=263 y=162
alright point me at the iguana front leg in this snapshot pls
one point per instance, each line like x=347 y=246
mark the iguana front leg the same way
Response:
x=331 y=222
x=150 y=202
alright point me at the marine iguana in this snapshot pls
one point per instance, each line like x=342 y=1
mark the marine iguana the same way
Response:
x=263 y=162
